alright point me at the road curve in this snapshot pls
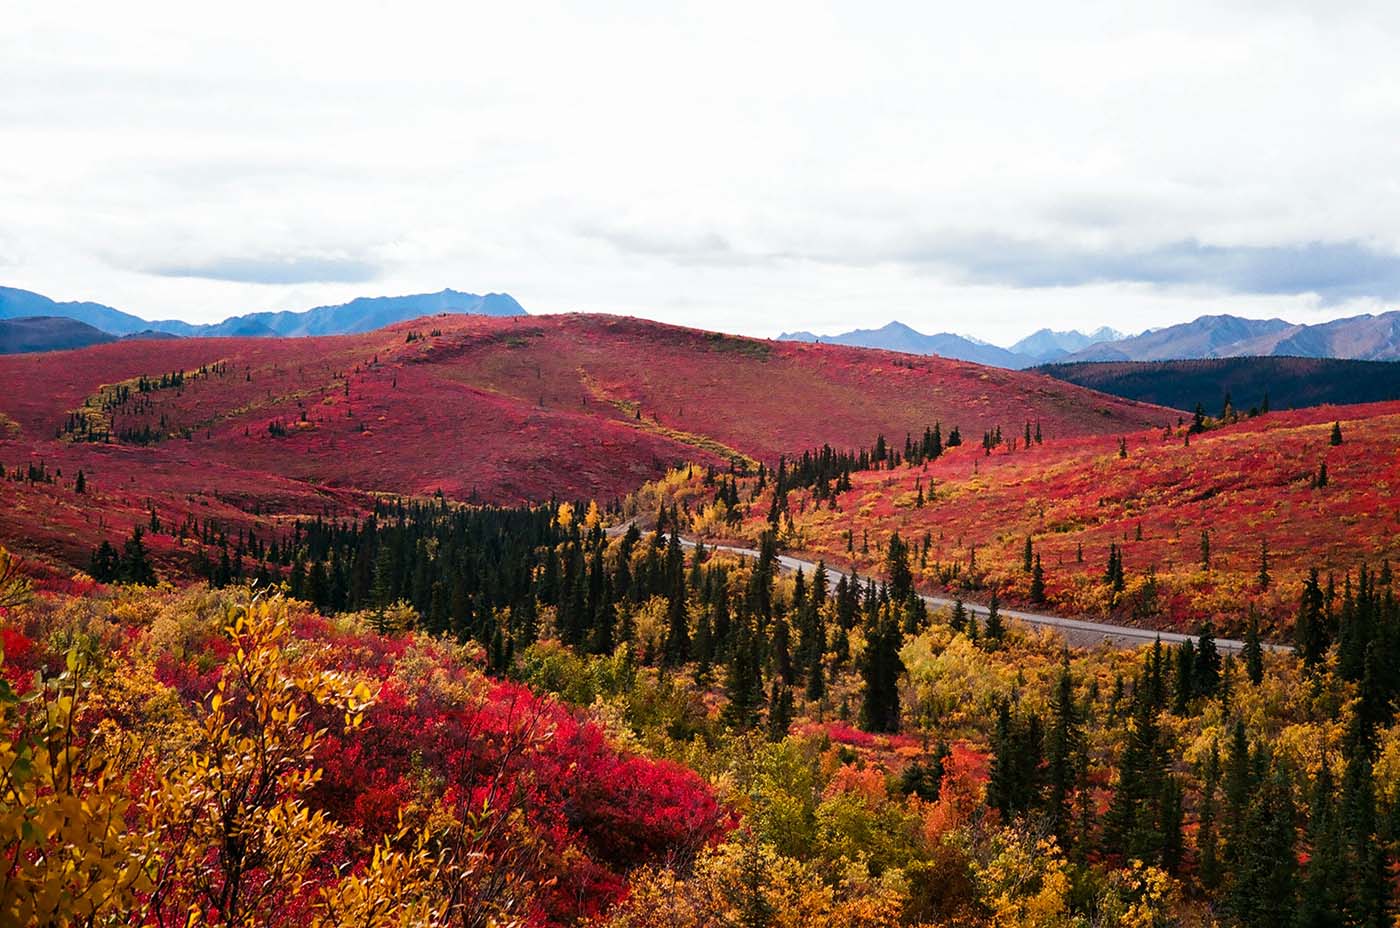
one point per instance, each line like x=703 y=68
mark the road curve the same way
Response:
x=1079 y=632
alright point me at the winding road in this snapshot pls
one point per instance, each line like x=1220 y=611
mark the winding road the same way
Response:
x=1078 y=632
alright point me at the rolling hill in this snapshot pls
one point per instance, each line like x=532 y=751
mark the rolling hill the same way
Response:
x=479 y=408
x=1287 y=383
x=47 y=333
x=1251 y=486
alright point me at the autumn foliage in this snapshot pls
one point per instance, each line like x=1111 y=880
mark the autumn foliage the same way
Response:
x=233 y=761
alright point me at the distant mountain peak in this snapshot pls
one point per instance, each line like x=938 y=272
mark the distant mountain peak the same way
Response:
x=1222 y=335
x=358 y=315
x=897 y=336
x=1050 y=345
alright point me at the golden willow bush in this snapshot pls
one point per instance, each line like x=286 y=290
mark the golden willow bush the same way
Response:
x=98 y=831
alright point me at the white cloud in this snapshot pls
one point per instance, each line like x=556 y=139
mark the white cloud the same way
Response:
x=752 y=167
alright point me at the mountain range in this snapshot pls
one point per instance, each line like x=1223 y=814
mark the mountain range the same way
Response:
x=1039 y=347
x=899 y=337
x=1357 y=338
x=360 y=315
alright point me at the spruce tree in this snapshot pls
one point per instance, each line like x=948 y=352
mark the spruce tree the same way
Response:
x=1310 y=629
x=1063 y=745
x=1135 y=825
x=1323 y=894
x=958 y=621
x=743 y=681
x=779 y=711
x=1207 y=839
x=995 y=631
x=1015 y=780
x=105 y=564
x=780 y=651
x=1207 y=671
x=135 y=566
x=1264 y=882
x=1253 y=651
x=677 y=647
x=880 y=667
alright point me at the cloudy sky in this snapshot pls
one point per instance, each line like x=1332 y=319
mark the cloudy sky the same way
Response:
x=987 y=168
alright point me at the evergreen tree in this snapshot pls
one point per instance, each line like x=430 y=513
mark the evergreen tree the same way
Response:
x=958 y=621
x=382 y=591
x=1113 y=572
x=1207 y=843
x=1253 y=651
x=1263 y=879
x=743 y=681
x=1143 y=819
x=816 y=677
x=1037 y=590
x=995 y=630
x=880 y=668
x=1310 y=628
x=1063 y=746
x=780 y=651
x=1015 y=780
x=677 y=648
x=135 y=565
x=779 y=711
x=1207 y=670
x=925 y=778
x=105 y=564
x=1336 y=438
x=1322 y=897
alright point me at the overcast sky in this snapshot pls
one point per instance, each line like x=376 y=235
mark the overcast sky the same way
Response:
x=985 y=168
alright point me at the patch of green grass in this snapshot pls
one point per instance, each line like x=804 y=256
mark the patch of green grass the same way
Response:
x=730 y=344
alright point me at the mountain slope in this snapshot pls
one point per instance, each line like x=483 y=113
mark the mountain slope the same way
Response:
x=47 y=333
x=498 y=409
x=1288 y=383
x=1049 y=345
x=896 y=336
x=15 y=303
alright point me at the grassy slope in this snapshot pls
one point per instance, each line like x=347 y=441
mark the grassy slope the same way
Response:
x=1247 y=483
x=492 y=409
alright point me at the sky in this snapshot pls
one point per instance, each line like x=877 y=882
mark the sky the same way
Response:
x=987 y=168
